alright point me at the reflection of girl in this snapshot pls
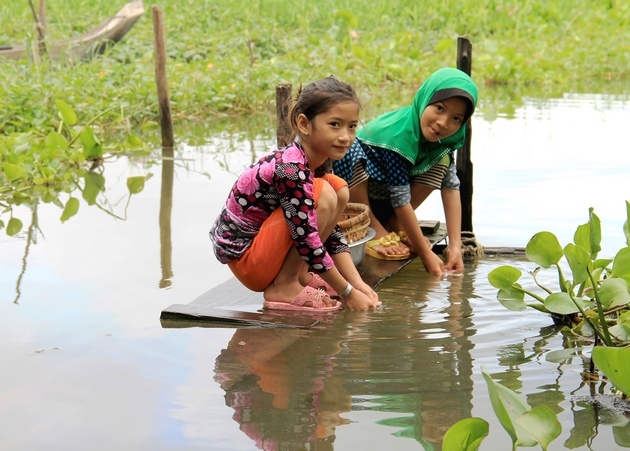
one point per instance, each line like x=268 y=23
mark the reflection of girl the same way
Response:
x=401 y=156
x=265 y=375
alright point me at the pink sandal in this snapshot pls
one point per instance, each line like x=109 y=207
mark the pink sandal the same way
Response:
x=307 y=295
x=318 y=283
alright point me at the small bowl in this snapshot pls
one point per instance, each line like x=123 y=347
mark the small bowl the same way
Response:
x=357 y=248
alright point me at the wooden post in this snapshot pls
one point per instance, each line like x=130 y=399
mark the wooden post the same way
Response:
x=283 y=102
x=40 y=25
x=464 y=162
x=166 y=123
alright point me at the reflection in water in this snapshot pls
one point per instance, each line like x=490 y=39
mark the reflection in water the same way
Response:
x=412 y=360
x=418 y=354
x=31 y=238
x=283 y=388
x=166 y=207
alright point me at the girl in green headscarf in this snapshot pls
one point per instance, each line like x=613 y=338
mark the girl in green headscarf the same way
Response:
x=399 y=158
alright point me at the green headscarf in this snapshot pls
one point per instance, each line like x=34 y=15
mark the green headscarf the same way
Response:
x=399 y=130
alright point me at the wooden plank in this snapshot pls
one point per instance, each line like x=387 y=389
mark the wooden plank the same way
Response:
x=230 y=304
x=178 y=315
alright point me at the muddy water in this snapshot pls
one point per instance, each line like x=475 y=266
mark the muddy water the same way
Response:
x=87 y=364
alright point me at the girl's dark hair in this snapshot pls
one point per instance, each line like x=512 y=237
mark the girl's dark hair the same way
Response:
x=318 y=97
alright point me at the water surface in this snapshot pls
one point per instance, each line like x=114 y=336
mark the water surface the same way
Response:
x=87 y=364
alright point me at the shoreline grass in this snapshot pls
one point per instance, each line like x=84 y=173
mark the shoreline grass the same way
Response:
x=225 y=57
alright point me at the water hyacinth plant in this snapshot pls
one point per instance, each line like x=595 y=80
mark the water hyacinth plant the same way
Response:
x=593 y=302
x=37 y=167
x=525 y=425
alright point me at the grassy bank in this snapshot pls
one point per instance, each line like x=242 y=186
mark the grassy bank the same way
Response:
x=227 y=56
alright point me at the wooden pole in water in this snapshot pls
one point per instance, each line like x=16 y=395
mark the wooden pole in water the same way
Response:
x=283 y=103
x=166 y=123
x=464 y=163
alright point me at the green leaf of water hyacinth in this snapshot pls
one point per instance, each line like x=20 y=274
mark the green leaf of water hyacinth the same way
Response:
x=92 y=148
x=508 y=406
x=55 y=140
x=621 y=332
x=136 y=184
x=14 y=226
x=466 y=435
x=579 y=260
x=615 y=364
x=71 y=209
x=13 y=171
x=614 y=292
x=595 y=236
x=562 y=304
x=542 y=424
x=544 y=249
x=504 y=277
x=564 y=355
x=512 y=299
x=94 y=184
x=621 y=264
x=67 y=113
x=626 y=224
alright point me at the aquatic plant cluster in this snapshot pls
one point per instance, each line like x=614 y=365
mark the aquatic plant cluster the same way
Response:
x=225 y=57
x=49 y=168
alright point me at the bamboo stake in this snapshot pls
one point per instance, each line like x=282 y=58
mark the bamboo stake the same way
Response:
x=464 y=162
x=283 y=103
x=166 y=123
x=40 y=25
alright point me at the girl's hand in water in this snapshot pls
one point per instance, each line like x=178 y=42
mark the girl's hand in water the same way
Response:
x=358 y=301
x=433 y=264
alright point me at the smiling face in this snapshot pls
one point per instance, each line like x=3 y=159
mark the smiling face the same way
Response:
x=330 y=134
x=441 y=119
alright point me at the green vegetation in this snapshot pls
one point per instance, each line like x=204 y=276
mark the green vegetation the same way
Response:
x=227 y=56
x=525 y=425
x=50 y=167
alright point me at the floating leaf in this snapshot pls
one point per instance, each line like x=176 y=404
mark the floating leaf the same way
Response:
x=466 y=435
x=504 y=277
x=512 y=299
x=92 y=148
x=561 y=303
x=508 y=406
x=621 y=332
x=136 y=184
x=595 y=236
x=67 y=113
x=94 y=184
x=579 y=260
x=613 y=292
x=13 y=171
x=562 y=355
x=542 y=424
x=71 y=209
x=615 y=364
x=14 y=226
x=544 y=249
x=626 y=224
x=55 y=140
x=621 y=264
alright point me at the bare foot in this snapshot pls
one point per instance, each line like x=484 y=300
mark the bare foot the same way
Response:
x=391 y=244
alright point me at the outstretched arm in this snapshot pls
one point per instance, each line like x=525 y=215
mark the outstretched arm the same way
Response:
x=453 y=213
x=406 y=217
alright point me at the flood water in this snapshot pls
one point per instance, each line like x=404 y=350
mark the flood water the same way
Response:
x=87 y=364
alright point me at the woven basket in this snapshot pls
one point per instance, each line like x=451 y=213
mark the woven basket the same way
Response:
x=355 y=221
